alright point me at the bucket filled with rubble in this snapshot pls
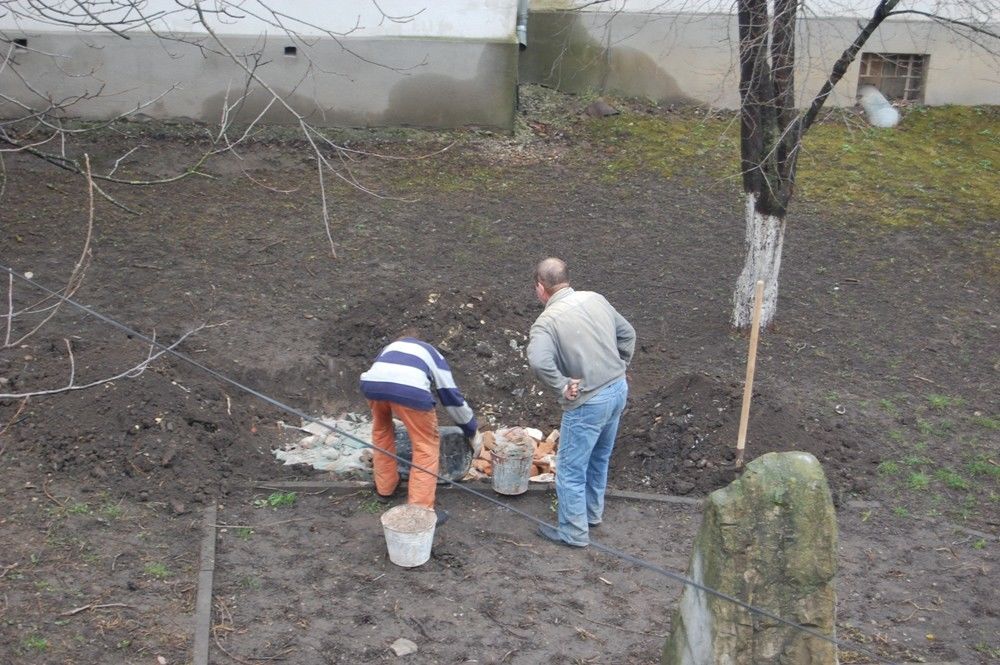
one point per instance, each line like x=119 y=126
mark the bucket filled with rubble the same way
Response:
x=511 y=460
x=512 y=457
x=342 y=446
x=409 y=533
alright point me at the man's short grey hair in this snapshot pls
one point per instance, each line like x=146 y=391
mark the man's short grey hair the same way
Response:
x=551 y=272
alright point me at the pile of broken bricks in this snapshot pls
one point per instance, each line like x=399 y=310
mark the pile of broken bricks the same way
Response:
x=543 y=452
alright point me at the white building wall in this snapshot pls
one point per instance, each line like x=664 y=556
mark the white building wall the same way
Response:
x=443 y=64
x=634 y=47
x=487 y=20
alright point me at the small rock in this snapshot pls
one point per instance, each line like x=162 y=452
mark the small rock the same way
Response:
x=683 y=487
x=484 y=350
x=535 y=434
x=178 y=507
x=142 y=463
x=600 y=109
x=403 y=647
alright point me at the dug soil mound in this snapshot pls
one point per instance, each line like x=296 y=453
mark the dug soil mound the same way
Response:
x=681 y=438
x=181 y=434
x=483 y=336
x=677 y=438
x=172 y=433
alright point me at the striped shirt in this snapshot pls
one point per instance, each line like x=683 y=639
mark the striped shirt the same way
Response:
x=410 y=372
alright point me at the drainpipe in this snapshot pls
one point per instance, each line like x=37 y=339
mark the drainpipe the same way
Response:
x=522 y=24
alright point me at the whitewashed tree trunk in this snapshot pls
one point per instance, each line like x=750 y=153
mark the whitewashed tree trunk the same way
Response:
x=764 y=237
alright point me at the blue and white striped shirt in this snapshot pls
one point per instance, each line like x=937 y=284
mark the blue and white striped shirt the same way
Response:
x=404 y=373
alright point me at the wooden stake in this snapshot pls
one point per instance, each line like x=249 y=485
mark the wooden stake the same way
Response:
x=758 y=301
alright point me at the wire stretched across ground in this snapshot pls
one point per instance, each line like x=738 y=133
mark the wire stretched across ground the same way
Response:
x=619 y=554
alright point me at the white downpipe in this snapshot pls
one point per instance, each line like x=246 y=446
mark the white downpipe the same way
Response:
x=521 y=29
x=765 y=235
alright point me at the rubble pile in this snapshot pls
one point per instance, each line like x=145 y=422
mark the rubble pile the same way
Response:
x=511 y=441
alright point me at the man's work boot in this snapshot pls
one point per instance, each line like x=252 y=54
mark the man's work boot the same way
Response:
x=386 y=499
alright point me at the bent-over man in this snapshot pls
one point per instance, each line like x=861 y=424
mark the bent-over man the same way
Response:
x=404 y=381
x=580 y=346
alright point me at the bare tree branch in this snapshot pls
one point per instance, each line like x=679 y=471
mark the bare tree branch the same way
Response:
x=840 y=67
x=76 y=275
x=13 y=418
x=130 y=373
x=403 y=18
x=10 y=310
x=968 y=25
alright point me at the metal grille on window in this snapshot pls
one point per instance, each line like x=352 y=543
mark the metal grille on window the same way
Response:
x=899 y=76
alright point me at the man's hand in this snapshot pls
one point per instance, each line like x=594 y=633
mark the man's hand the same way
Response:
x=572 y=389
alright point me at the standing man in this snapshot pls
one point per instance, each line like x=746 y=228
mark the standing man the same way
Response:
x=580 y=347
x=403 y=382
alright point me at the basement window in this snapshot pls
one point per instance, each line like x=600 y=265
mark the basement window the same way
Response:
x=899 y=76
x=291 y=50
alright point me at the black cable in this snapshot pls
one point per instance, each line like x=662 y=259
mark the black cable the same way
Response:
x=296 y=412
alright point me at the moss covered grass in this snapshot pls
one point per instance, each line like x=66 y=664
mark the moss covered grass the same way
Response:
x=935 y=474
x=684 y=147
x=939 y=166
x=419 y=178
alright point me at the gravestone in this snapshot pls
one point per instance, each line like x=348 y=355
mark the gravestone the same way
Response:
x=770 y=540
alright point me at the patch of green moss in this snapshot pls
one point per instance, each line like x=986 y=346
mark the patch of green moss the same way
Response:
x=938 y=166
x=417 y=178
x=672 y=147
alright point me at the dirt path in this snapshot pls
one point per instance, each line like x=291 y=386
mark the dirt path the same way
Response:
x=311 y=583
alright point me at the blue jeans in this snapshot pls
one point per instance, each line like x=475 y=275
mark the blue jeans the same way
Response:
x=586 y=439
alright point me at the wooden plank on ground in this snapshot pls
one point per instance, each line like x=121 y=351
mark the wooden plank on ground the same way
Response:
x=480 y=486
x=203 y=604
x=657 y=498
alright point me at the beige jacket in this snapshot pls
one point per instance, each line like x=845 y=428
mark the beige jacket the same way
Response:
x=580 y=336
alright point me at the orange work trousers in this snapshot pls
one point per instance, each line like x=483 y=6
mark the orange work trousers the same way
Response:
x=422 y=426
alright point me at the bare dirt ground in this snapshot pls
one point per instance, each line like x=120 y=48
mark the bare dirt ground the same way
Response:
x=882 y=363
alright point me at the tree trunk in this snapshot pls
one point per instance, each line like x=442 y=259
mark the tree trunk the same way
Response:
x=764 y=238
x=771 y=134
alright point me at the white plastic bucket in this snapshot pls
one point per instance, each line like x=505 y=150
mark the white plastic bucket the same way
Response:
x=409 y=533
